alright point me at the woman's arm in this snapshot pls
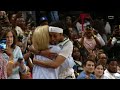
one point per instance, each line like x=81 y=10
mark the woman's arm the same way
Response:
x=65 y=53
x=96 y=39
x=46 y=53
x=51 y=63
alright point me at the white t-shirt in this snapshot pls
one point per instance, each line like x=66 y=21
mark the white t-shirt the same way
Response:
x=40 y=72
x=17 y=54
x=108 y=75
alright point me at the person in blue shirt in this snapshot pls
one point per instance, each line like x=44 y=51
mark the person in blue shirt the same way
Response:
x=89 y=66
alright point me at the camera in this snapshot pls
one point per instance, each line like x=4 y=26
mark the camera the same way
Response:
x=3 y=44
x=89 y=27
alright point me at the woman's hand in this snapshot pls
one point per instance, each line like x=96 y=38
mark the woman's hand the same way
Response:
x=83 y=33
x=34 y=61
x=32 y=49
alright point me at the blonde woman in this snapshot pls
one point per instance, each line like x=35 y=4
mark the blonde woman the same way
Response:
x=40 y=41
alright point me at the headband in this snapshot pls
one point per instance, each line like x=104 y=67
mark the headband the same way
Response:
x=55 y=29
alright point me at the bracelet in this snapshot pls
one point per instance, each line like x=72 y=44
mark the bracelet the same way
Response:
x=11 y=62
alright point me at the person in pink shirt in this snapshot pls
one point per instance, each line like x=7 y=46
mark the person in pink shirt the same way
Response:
x=89 y=40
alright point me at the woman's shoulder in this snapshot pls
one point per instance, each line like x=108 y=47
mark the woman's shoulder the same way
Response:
x=17 y=52
x=17 y=47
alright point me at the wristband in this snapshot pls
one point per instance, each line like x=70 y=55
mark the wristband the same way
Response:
x=11 y=62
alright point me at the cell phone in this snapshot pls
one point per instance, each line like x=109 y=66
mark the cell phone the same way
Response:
x=3 y=44
x=20 y=60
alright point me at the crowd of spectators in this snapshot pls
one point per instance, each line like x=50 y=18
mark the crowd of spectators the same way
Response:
x=95 y=51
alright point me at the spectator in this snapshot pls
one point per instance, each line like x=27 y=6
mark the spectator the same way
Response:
x=114 y=43
x=4 y=21
x=43 y=21
x=111 y=70
x=3 y=66
x=99 y=70
x=89 y=41
x=78 y=61
x=12 y=20
x=88 y=66
x=18 y=27
x=102 y=59
x=12 y=54
x=79 y=24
